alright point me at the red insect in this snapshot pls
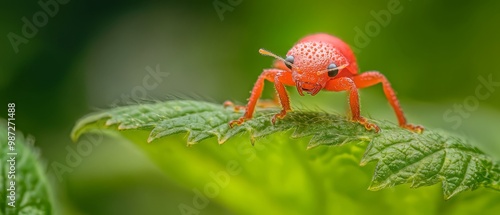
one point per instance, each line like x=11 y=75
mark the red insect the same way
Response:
x=317 y=62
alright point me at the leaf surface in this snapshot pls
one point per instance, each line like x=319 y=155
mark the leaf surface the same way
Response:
x=401 y=156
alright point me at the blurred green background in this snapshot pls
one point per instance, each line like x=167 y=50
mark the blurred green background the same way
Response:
x=96 y=54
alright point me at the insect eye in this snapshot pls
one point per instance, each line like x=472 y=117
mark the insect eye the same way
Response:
x=332 y=70
x=290 y=60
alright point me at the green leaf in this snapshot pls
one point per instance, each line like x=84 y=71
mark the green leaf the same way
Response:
x=401 y=156
x=32 y=191
x=429 y=158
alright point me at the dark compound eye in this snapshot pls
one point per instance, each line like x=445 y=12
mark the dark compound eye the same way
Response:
x=332 y=70
x=290 y=60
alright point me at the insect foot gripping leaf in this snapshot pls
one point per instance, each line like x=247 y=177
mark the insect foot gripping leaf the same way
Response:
x=403 y=156
x=24 y=188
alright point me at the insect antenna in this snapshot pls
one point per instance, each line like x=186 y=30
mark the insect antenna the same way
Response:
x=268 y=53
x=333 y=69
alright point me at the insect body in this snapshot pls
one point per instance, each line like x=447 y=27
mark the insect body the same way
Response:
x=317 y=62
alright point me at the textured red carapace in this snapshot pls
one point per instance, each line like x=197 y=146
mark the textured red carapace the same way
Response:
x=316 y=62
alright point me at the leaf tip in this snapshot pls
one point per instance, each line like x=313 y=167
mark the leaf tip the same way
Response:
x=370 y=188
x=376 y=186
x=150 y=139
x=108 y=122
x=363 y=162
x=74 y=135
x=311 y=146
x=77 y=131
x=120 y=127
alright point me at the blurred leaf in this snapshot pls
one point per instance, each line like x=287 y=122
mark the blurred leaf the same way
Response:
x=403 y=156
x=32 y=194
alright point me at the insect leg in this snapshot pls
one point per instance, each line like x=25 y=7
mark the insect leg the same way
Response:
x=347 y=84
x=279 y=77
x=371 y=78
